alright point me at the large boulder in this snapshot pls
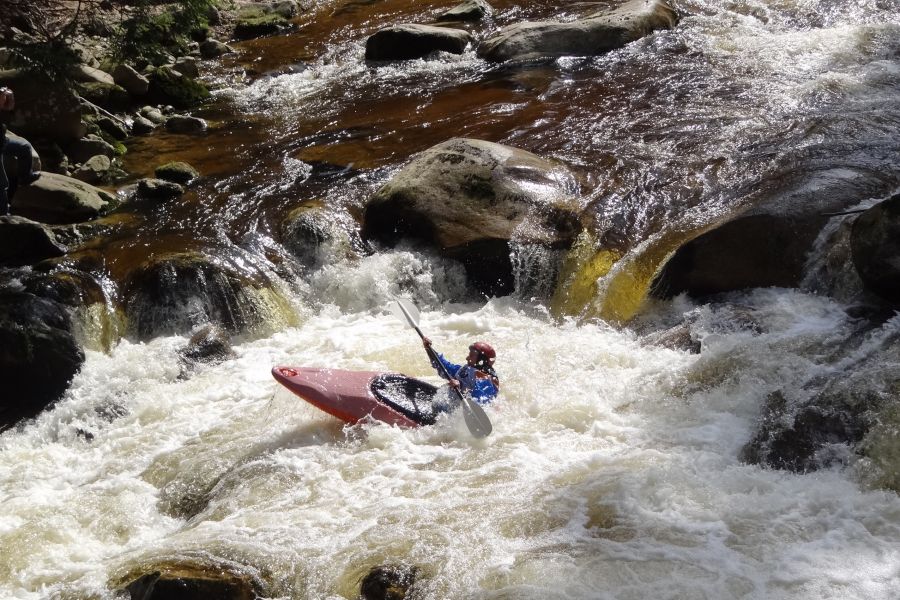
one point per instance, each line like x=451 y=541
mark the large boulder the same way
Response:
x=403 y=42
x=186 y=581
x=44 y=111
x=875 y=248
x=57 y=199
x=39 y=354
x=257 y=20
x=168 y=86
x=599 y=33
x=470 y=199
x=128 y=78
x=25 y=242
x=175 y=293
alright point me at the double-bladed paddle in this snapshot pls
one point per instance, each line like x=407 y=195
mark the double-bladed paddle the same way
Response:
x=476 y=420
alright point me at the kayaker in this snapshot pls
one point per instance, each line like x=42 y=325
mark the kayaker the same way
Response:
x=477 y=377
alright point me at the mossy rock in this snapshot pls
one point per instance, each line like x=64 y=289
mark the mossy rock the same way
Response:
x=168 y=86
x=255 y=21
x=107 y=95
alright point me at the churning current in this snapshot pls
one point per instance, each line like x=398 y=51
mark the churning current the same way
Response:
x=613 y=470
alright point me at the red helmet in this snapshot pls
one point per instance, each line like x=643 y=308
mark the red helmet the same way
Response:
x=484 y=349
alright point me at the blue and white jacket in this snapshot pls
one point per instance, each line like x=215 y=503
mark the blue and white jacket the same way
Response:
x=481 y=389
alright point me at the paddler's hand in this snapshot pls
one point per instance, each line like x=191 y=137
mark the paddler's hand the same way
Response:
x=454 y=383
x=426 y=342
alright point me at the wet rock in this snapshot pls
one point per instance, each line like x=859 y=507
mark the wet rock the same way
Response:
x=94 y=170
x=469 y=199
x=187 y=66
x=142 y=125
x=177 y=172
x=40 y=354
x=51 y=112
x=214 y=49
x=388 y=582
x=679 y=337
x=209 y=344
x=153 y=114
x=313 y=236
x=769 y=244
x=403 y=42
x=132 y=81
x=158 y=190
x=174 y=293
x=875 y=248
x=25 y=242
x=189 y=582
x=599 y=33
x=470 y=10
x=168 y=86
x=257 y=20
x=57 y=199
x=185 y=124
x=84 y=149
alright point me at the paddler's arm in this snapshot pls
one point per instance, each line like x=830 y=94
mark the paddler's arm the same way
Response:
x=436 y=356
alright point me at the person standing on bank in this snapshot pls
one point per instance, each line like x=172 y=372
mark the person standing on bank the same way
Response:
x=477 y=377
x=15 y=147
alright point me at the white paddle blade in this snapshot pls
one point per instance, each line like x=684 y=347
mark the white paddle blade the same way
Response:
x=405 y=310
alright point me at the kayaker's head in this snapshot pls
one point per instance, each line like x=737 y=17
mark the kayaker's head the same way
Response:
x=481 y=354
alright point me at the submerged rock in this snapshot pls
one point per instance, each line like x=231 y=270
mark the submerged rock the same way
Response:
x=403 y=42
x=209 y=344
x=599 y=33
x=470 y=10
x=875 y=248
x=388 y=582
x=190 y=582
x=158 y=190
x=469 y=199
x=177 y=172
x=40 y=354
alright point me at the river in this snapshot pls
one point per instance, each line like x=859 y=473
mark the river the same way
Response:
x=613 y=470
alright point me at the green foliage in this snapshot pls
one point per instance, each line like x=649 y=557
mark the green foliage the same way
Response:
x=151 y=33
x=51 y=59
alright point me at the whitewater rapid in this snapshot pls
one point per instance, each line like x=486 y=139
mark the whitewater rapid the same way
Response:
x=612 y=471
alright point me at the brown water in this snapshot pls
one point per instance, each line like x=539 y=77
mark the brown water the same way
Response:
x=740 y=103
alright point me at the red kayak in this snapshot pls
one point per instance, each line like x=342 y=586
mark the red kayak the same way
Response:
x=355 y=395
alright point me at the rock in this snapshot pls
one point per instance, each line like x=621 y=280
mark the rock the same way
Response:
x=402 y=42
x=599 y=33
x=52 y=112
x=769 y=244
x=94 y=170
x=40 y=354
x=313 y=236
x=168 y=86
x=875 y=248
x=185 y=124
x=174 y=293
x=214 y=49
x=57 y=199
x=388 y=582
x=117 y=129
x=158 y=190
x=24 y=242
x=110 y=96
x=132 y=81
x=177 y=172
x=209 y=344
x=469 y=199
x=84 y=149
x=153 y=114
x=88 y=74
x=470 y=10
x=257 y=20
x=286 y=8
x=142 y=125
x=186 y=582
x=187 y=66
